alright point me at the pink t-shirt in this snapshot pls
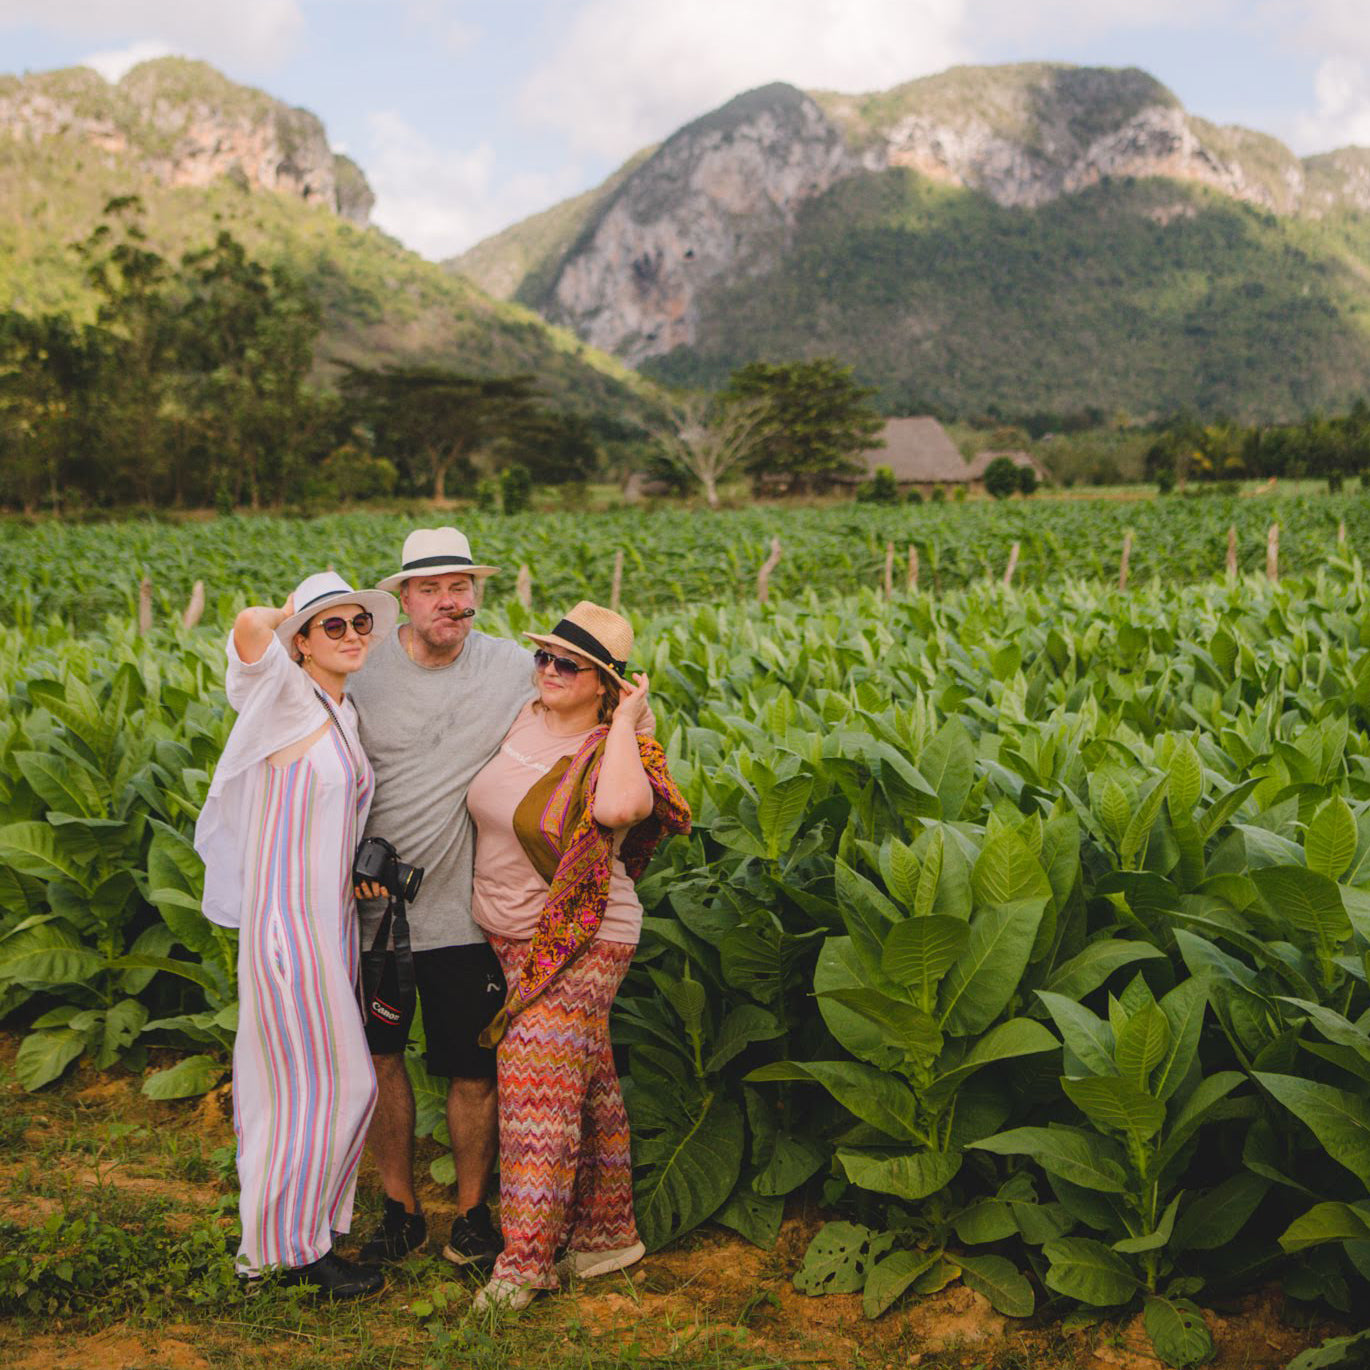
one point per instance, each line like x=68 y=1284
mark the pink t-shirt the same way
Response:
x=509 y=893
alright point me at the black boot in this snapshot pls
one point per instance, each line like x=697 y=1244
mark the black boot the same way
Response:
x=474 y=1239
x=399 y=1233
x=337 y=1278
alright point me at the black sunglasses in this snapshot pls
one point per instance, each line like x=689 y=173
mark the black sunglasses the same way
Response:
x=564 y=666
x=337 y=627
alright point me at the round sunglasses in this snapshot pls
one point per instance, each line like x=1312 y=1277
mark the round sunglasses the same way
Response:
x=563 y=665
x=336 y=628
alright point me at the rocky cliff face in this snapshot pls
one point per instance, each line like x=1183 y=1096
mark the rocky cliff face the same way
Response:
x=719 y=197
x=185 y=124
x=718 y=202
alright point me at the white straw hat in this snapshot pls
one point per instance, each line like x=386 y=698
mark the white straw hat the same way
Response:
x=603 y=636
x=318 y=592
x=435 y=552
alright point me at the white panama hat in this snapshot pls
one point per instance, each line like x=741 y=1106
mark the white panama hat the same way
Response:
x=322 y=591
x=435 y=552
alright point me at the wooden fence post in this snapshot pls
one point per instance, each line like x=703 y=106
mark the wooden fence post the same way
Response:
x=1126 y=558
x=523 y=586
x=195 y=606
x=1272 y=553
x=913 y=568
x=1012 y=564
x=1232 y=551
x=889 y=570
x=144 y=607
x=763 y=576
x=616 y=589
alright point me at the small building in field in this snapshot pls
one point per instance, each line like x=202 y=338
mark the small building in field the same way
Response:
x=921 y=455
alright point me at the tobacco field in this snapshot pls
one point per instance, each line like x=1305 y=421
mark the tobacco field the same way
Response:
x=1025 y=929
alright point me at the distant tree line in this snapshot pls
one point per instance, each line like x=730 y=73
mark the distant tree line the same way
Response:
x=196 y=383
x=1320 y=446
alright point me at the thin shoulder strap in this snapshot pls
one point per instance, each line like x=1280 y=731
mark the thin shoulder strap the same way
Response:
x=342 y=732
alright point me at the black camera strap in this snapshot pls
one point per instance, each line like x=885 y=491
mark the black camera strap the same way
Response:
x=393 y=929
x=394 y=926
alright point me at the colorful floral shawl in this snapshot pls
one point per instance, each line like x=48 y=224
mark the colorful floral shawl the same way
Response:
x=574 y=854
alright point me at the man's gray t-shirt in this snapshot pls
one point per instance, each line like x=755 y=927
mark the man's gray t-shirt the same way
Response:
x=427 y=733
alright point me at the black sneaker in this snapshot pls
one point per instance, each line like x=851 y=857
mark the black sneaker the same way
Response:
x=399 y=1233
x=336 y=1278
x=474 y=1240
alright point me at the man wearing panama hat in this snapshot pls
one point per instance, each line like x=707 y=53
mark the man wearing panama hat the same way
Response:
x=434 y=701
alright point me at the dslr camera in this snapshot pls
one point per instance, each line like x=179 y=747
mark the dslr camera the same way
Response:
x=377 y=862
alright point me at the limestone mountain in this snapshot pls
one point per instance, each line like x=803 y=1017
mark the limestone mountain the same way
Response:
x=1007 y=239
x=206 y=154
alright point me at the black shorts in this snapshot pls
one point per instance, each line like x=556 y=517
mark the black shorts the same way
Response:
x=460 y=989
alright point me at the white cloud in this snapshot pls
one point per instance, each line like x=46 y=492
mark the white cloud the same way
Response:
x=1341 y=90
x=441 y=18
x=1044 y=22
x=1336 y=28
x=628 y=73
x=441 y=201
x=253 y=32
x=114 y=62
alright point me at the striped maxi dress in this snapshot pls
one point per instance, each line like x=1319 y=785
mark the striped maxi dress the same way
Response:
x=303 y=1083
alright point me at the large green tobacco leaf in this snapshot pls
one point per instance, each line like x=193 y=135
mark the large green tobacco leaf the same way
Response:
x=1330 y=842
x=1008 y=872
x=839 y=1258
x=1087 y=1270
x=1003 y=1042
x=1306 y=901
x=1215 y=1218
x=910 y=1029
x=756 y=1217
x=34 y=849
x=1328 y=1222
x=1070 y=1153
x=1088 y=1038
x=1089 y=968
x=1178 y=1331
x=872 y=1095
x=919 y=951
x=947 y=763
x=908 y=1176
x=189 y=1077
x=1001 y=1282
x=985 y=976
x=44 y=1055
x=687 y=1165
x=1140 y=1045
x=892 y=1277
x=780 y=810
x=1116 y=1103
x=1339 y=1120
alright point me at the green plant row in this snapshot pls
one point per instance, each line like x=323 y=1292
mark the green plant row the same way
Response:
x=1028 y=929
x=83 y=573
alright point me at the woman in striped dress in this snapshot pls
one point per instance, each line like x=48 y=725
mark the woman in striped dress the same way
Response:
x=278 y=832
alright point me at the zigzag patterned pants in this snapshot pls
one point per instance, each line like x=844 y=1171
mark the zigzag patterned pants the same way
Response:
x=566 y=1175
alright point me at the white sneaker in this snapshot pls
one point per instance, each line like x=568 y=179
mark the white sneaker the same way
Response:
x=586 y=1265
x=503 y=1296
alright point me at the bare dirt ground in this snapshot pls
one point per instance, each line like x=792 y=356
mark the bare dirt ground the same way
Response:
x=711 y=1300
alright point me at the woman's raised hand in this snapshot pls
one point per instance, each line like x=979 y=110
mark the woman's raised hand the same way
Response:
x=632 y=702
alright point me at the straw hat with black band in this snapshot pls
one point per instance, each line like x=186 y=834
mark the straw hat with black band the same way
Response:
x=435 y=552
x=596 y=633
x=318 y=592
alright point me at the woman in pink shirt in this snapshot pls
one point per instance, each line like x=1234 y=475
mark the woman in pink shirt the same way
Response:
x=567 y=813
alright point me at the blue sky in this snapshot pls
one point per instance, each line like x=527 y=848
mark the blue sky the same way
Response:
x=467 y=116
